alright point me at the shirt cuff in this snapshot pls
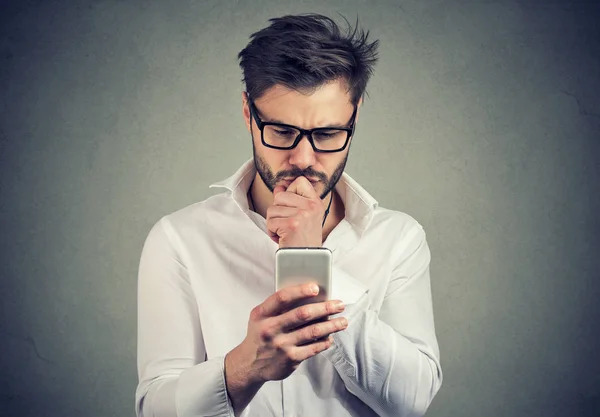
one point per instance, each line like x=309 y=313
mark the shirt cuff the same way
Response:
x=354 y=294
x=201 y=391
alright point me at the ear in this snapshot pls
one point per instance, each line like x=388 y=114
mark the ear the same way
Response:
x=358 y=105
x=246 y=111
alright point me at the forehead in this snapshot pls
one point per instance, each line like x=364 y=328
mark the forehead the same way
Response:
x=329 y=104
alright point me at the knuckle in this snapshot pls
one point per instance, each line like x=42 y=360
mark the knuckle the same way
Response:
x=303 y=313
x=292 y=355
x=282 y=296
x=278 y=343
x=266 y=333
x=293 y=224
x=256 y=313
x=315 y=331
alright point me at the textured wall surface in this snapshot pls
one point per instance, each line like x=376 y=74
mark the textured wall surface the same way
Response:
x=482 y=122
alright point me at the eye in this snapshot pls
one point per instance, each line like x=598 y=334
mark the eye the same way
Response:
x=284 y=132
x=328 y=134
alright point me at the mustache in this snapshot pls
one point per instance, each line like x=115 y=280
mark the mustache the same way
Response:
x=294 y=173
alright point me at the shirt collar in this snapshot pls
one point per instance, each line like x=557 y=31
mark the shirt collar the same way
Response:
x=359 y=204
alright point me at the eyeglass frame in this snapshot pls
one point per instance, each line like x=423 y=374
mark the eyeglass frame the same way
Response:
x=303 y=132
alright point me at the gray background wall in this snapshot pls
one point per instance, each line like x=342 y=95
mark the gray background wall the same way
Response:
x=483 y=122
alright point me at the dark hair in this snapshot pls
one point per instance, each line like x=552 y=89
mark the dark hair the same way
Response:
x=305 y=51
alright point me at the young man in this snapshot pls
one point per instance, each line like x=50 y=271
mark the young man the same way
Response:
x=213 y=338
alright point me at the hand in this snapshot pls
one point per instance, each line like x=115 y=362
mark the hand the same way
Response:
x=296 y=217
x=280 y=337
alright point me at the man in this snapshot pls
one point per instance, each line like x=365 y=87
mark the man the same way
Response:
x=213 y=337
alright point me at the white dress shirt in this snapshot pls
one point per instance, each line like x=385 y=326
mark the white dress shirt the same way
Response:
x=204 y=267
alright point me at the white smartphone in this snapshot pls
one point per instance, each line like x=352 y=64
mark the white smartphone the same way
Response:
x=294 y=266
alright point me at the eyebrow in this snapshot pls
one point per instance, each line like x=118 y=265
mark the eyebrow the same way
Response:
x=329 y=126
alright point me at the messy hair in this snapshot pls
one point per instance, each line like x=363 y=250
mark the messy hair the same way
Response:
x=305 y=51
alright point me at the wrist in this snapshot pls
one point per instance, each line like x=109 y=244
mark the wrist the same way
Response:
x=240 y=373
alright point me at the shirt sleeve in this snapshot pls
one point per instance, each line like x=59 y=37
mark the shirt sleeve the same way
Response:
x=175 y=379
x=389 y=358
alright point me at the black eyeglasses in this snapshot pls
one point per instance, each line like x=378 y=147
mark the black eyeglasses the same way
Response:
x=283 y=136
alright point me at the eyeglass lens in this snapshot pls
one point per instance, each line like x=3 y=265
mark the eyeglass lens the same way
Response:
x=324 y=139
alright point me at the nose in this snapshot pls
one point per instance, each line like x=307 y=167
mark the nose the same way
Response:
x=303 y=155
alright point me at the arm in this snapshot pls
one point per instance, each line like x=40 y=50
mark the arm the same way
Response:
x=390 y=359
x=175 y=380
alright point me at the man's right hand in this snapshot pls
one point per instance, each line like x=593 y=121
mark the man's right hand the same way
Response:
x=279 y=338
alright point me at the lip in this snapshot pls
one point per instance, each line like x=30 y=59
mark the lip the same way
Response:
x=290 y=180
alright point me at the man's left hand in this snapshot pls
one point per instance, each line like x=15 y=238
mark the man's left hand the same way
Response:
x=295 y=219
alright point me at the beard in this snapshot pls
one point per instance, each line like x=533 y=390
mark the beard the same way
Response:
x=270 y=179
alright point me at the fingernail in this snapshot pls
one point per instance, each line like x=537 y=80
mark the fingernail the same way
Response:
x=339 y=305
x=314 y=289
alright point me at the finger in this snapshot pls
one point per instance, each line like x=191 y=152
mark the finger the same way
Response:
x=282 y=226
x=291 y=200
x=302 y=353
x=282 y=299
x=278 y=189
x=275 y=212
x=302 y=315
x=317 y=331
x=303 y=187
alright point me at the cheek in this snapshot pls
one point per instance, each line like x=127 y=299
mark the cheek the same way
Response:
x=277 y=160
x=328 y=165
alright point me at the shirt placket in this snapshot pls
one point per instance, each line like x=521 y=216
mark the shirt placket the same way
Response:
x=288 y=399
